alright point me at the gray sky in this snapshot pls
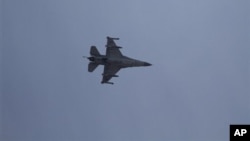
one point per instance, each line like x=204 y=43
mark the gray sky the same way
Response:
x=198 y=84
x=1 y=79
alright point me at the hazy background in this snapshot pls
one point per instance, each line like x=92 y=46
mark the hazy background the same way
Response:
x=198 y=84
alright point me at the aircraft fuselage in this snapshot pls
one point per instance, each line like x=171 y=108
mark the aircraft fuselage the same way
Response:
x=121 y=61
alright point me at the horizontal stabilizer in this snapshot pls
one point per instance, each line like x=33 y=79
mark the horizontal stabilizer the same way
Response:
x=94 y=51
x=92 y=66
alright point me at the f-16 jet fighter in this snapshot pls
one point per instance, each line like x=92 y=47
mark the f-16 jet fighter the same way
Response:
x=113 y=61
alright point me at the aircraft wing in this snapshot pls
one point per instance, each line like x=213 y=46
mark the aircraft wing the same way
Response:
x=112 y=49
x=109 y=72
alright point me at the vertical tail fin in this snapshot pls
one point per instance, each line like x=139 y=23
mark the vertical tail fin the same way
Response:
x=94 y=51
x=92 y=66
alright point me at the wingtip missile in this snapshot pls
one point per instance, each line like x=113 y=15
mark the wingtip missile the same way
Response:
x=113 y=38
x=112 y=75
x=107 y=83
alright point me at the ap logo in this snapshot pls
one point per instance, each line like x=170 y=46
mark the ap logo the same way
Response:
x=239 y=132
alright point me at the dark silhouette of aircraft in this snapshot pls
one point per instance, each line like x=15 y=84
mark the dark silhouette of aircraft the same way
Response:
x=113 y=61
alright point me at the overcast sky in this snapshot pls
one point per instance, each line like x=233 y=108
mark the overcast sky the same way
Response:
x=198 y=84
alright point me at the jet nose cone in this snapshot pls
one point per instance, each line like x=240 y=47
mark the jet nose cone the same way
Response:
x=147 y=64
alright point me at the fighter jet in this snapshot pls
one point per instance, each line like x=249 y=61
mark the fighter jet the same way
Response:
x=113 y=61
